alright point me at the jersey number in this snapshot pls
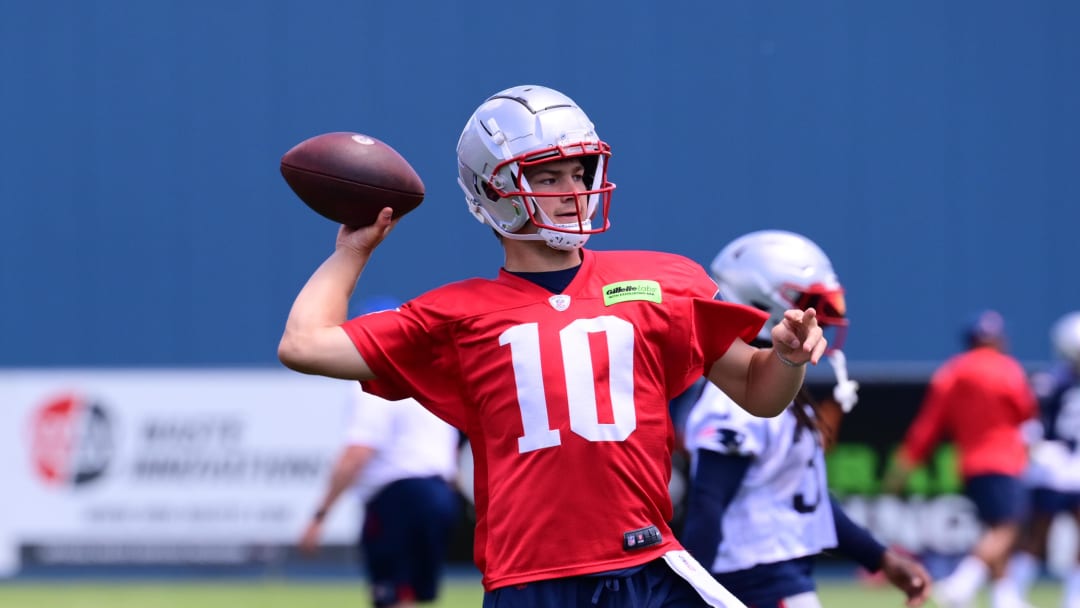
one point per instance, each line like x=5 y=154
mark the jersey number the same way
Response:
x=577 y=357
x=807 y=501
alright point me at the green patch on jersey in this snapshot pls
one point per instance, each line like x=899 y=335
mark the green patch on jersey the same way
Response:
x=628 y=291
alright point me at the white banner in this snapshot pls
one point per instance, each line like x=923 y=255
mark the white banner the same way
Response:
x=101 y=466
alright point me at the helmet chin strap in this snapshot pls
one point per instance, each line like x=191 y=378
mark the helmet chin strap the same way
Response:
x=566 y=241
x=556 y=239
x=563 y=241
x=571 y=239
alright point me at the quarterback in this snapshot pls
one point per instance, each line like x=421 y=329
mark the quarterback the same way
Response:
x=560 y=368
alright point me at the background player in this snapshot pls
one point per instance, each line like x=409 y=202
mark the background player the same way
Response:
x=400 y=461
x=982 y=400
x=560 y=369
x=1054 y=471
x=759 y=507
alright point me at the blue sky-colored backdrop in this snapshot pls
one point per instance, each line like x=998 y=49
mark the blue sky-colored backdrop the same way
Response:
x=931 y=148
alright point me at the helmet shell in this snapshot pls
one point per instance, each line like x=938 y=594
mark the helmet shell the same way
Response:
x=525 y=124
x=1065 y=337
x=776 y=270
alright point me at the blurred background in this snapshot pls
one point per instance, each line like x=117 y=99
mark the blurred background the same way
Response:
x=151 y=249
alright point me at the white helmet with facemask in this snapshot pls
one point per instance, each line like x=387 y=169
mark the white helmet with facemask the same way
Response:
x=521 y=127
x=1065 y=336
x=775 y=270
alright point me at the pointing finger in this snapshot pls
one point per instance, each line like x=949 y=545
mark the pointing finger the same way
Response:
x=819 y=350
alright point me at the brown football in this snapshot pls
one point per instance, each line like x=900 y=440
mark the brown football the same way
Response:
x=349 y=177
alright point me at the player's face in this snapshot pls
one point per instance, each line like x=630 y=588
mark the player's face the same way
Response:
x=565 y=178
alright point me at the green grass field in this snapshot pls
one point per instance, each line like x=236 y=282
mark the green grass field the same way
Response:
x=341 y=595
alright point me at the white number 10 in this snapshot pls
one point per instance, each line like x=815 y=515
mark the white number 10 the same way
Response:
x=524 y=342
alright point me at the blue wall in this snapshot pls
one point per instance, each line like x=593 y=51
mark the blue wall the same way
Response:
x=931 y=148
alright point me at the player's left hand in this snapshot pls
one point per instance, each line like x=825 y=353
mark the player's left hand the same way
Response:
x=907 y=575
x=798 y=337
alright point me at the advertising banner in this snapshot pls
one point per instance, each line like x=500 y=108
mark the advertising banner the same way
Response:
x=165 y=467
x=105 y=468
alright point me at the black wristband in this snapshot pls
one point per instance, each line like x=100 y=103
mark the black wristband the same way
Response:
x=319 y=515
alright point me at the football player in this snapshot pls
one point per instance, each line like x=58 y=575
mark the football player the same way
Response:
x=1054 y=472
x=559 y=370
x=401 y=462
x=759 y=508
x=982 y=400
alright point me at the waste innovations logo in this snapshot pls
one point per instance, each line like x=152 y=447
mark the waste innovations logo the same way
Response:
x=71 y=441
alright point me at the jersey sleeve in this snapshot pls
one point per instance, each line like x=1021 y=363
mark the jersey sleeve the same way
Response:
x=718 y=324
x=929 y=425
x=703 y=332
x=708 y=326
x=410 y=357
x=855 y=541
x=716 y=481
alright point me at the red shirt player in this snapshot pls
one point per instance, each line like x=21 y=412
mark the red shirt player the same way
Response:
x=560 y=369
x=981 y=399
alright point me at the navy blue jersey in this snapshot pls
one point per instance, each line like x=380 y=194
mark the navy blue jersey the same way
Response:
x=1059 y=405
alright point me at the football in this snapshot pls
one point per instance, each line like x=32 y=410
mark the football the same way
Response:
x=350 y=177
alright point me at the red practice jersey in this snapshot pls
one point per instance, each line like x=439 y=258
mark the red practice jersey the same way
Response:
x=979 y=399
x=564 y=399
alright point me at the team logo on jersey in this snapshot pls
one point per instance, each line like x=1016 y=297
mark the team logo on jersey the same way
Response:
x=643 y=537
x=560 y=302
x=629 y=291
x=731 y=439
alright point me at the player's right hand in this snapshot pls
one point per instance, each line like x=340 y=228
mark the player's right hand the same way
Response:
x=309 y=541
x=365 y=239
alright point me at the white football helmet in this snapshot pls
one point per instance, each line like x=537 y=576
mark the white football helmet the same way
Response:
x=1065 y=336
x=523 y=126
x=774 y=270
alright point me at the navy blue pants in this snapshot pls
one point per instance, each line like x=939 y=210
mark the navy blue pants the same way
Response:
x=999 y=499
x=407 y=528
x=1045 y=500
x=766 y=585
x=653 y=585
